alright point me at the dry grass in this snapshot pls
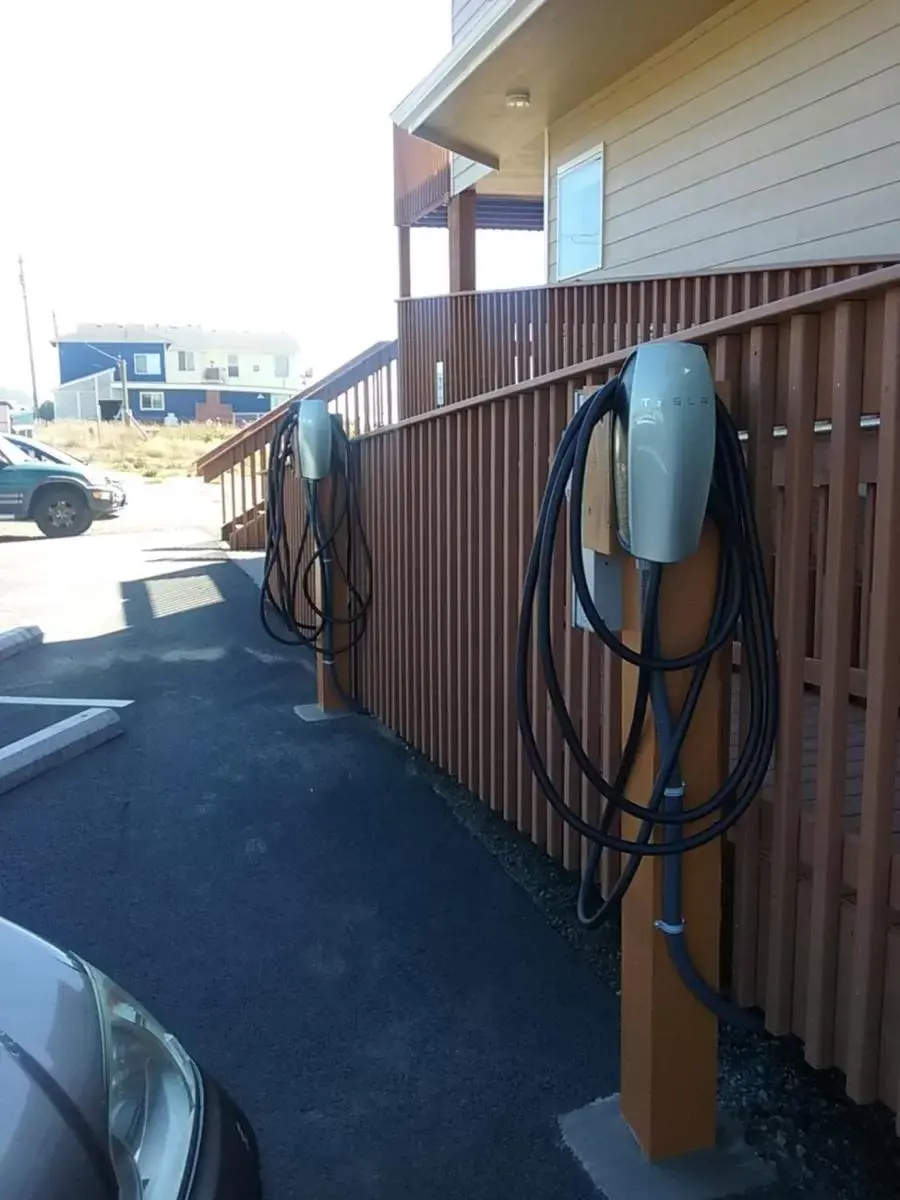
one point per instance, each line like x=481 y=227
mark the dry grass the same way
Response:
x=163 y=453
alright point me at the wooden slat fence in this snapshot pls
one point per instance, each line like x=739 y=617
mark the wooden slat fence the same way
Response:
x=450 y=500
x=459 y=346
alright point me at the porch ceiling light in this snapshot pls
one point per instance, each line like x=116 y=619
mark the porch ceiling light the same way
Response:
x=519 y=99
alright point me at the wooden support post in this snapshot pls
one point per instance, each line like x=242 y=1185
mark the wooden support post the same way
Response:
x=334 y=683
x=669 y=1039
x=405 y=261
x=461 y=223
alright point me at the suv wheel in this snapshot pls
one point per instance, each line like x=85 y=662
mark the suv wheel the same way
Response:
x=62 y=512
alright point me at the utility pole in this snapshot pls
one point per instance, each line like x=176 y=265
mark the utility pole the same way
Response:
x=34 y=391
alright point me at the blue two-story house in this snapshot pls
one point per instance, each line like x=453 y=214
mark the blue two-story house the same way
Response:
x=184 y=372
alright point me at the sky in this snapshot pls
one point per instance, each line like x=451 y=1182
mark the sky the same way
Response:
x=223 y=165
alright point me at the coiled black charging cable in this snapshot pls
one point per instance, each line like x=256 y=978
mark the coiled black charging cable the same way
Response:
x=286 y=578
x=741 y=601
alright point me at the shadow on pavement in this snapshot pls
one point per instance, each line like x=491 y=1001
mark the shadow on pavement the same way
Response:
x=8 y=538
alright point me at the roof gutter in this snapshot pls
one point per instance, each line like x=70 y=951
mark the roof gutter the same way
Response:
x=487 y=34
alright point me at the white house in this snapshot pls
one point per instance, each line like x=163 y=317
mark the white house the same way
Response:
x=186 y=371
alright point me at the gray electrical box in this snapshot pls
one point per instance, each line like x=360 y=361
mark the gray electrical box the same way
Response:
x=604 y=577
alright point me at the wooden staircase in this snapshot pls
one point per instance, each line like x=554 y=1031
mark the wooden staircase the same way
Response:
x=363 y=392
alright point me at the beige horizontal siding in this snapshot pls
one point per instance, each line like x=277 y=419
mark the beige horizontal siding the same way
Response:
x=768 y=135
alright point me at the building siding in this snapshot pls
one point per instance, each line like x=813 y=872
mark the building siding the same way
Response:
x=768 y=135
x=247 y=402
x=77 y=360
x=183 y=402
x=464 y=13
x=253 y=370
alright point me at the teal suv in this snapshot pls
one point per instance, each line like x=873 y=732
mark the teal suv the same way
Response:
x=63 y=500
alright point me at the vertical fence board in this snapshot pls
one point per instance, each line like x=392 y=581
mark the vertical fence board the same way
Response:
x=481 y=614
x=456 y=583
x=385 y=593
x=425 y=600
x=837 y=618
x=404 y=636
x=527 y=404
x=760 y=406
x=474 y=664
x=417 y=679
x=557 y=414
x=442 y=532
x=572 y=689
x=448 y=585
x=868 y=551
x=540 y=466
x=497 y=462
x=803 y=357
x=429 y=599
x=873 y=866
x=511 y=585
x=383 y=576
x=389 y=572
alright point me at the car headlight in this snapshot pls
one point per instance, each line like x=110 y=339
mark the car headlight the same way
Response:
x=103 y=493
x=154 y=1094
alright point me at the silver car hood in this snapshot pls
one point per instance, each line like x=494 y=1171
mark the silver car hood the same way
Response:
x=53 y=1110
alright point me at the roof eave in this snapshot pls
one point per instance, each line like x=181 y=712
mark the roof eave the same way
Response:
x=485 y=36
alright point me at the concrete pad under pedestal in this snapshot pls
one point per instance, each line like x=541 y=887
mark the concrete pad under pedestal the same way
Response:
x=606 y=1148
x=313 y=712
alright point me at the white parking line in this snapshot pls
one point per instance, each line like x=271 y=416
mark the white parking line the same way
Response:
x=67 y=702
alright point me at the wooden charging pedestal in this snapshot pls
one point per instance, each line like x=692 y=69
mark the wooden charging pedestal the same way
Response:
x=669 y=1049
x=332 y=681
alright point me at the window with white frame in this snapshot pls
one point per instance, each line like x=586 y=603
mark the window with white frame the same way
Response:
x=233 y=366
x=579 y=215
x=282 y=366
x=152 y=401
x=185 y=360
x=146 y=364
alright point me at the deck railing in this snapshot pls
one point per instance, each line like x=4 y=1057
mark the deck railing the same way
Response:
x=450 y=500
x=422 y=177
x=363 y=392
x=458 y=346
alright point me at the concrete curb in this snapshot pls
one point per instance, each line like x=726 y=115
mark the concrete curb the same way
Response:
x=14 y=641
x=39 y=752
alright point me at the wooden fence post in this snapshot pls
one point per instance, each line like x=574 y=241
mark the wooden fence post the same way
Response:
x=669 y=1039
x=333 y=683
